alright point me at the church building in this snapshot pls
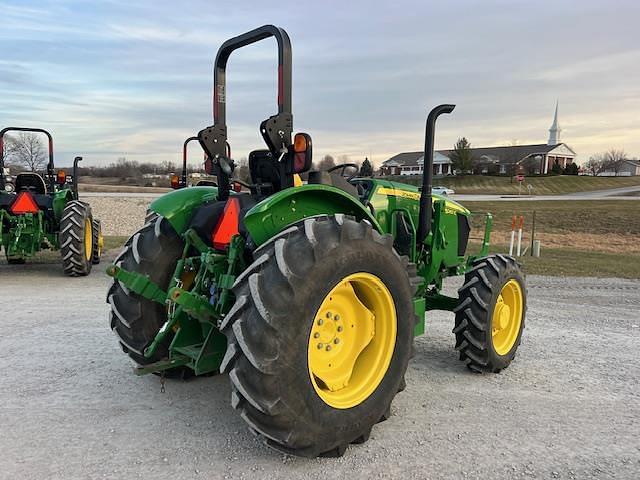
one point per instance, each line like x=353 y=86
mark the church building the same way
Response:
x=529 y=159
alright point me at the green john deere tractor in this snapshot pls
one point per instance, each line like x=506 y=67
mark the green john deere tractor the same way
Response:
x=180 y=181
x=44 y=212
x=309 y=297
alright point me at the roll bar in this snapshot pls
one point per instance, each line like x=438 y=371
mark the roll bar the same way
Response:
x=276 y=130
x=426 y=202
x=50 y=167
x=183 y=176
x=284 y=68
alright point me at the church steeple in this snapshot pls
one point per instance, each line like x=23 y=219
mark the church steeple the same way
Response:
x=554 y=131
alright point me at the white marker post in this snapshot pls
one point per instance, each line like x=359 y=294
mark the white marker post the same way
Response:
x=521 y=226
x=513 y=235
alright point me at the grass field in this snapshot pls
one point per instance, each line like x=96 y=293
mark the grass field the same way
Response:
x=577 y=263
x=586 y=238
x=555 y=185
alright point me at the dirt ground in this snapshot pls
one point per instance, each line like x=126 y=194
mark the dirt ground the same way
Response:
x=568 y=407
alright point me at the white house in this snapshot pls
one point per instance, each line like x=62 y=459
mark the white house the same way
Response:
x=412 y=163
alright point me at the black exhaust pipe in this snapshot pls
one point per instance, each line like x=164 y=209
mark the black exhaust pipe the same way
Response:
x=424 y=223
x=76 y=176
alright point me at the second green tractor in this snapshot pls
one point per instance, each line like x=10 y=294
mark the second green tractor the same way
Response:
x=309 y=297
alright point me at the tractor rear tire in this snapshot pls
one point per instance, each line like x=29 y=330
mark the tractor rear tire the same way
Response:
x=76 y=239
x=97 y=243
x=269 y=334
x=477 y=321
x=150 y=216
x=153 y=251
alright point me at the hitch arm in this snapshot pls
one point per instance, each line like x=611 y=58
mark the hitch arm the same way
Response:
x=139 y=284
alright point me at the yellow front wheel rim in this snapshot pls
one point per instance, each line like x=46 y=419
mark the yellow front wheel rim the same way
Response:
x=88 y=239
x=507 y=317
x=352 y=340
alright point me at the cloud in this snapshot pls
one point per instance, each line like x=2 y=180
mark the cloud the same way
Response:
x=134 y=78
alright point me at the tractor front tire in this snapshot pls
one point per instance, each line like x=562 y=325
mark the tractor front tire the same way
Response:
x=491 y=313
x=153 y=251
x=97 y=243
x=327 y=269
x=76 y=239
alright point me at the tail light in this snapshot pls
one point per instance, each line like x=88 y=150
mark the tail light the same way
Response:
x=228 y=224
x=175 y=181
x=302 y=149
x=24 y=203
x=61 y=177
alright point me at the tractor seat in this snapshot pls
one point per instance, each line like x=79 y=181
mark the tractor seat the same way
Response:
x=338 y=181
x=30 y=182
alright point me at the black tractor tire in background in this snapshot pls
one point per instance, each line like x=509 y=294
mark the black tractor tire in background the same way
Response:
x=269 y=325
x=153 y=251
x=97 y=243
x=473 y=323
x=76 y=216
x=16 y=261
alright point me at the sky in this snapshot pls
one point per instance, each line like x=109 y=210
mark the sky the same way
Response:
x=133 y=79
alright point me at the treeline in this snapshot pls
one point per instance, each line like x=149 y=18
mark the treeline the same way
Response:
x=123 y=168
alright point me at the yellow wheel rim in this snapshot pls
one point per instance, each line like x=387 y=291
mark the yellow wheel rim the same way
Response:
x=352 y=340
x=507 y=317
x=88 y=238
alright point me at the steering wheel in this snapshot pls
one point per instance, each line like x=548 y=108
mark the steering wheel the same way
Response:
x=343 y=167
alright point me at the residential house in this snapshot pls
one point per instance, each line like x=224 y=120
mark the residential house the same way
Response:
x=628 y=168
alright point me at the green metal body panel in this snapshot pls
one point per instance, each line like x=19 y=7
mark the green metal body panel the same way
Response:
x=178 y=206
x=289 y=206
x=60 y=200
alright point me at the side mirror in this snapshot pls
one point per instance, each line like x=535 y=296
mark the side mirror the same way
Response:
x=302 y=153
x=61 y=177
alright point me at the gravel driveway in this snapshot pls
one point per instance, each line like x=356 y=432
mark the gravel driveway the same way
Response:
x=119 y=215
x=568 y=407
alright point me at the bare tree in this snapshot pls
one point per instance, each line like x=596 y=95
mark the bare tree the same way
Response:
x=615 y=159
x=609 y=161
x=27 y=150
x=596 y=164
x=326 y=163
x=242 y=172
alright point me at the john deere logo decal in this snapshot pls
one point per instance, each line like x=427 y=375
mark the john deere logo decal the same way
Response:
x=398 y=193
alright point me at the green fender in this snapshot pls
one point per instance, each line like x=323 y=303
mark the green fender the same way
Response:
x=289 y=206
x=60 y=200
x=178 y=206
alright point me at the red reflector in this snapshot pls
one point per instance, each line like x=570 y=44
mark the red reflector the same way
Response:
x=227 y=225
x=24 y=203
